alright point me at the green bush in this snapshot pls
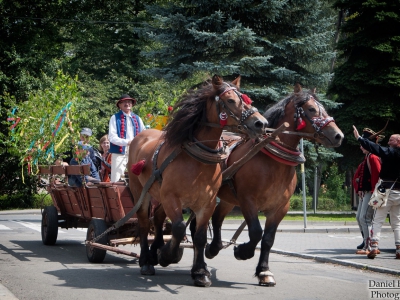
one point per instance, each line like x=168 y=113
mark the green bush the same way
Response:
x=21 y=201
x=42 y=200
x=334 y=186
x=324 y=203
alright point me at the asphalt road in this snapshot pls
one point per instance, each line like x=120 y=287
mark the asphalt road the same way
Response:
x=30 y=270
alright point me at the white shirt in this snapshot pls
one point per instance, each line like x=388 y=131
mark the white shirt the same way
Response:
x=113 y=133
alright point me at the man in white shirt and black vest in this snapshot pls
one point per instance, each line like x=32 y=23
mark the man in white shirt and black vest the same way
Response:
x=123 y=127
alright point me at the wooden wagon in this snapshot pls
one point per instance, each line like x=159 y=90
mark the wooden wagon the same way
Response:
x=95 y=207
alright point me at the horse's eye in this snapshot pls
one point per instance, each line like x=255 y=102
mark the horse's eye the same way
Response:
x=231 y=101
x=312 y=110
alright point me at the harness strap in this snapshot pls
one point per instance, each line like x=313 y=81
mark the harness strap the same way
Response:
x=156 y=172
x=236 y=235
x=231 y=171
x=205 y=156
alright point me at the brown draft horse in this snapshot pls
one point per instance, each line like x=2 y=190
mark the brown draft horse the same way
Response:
x=266 y=184
x=190 y=179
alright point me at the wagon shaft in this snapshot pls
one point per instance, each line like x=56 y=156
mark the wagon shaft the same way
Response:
x=136 y=240
x=113 y=249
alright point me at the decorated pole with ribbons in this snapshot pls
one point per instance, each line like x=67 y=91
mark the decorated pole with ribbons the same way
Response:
x=37 y=132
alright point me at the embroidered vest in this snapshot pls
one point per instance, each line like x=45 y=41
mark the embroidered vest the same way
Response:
x=120 y=119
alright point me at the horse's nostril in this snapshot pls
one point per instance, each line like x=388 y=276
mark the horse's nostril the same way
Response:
x=259 y=124
x=338 y=137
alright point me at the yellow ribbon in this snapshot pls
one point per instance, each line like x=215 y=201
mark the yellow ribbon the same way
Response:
x=62 y=141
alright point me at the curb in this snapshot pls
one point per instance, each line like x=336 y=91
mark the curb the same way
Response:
x=5 y=294
x=21 y=212
x=337 y=261
x=345 y=263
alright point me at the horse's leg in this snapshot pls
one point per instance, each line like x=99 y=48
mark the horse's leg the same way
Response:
x=145 y=262
x=222 y=209
x=158 y=221
x=246 y=250
x=199 y=272
x=265 y=276
x=169 y=253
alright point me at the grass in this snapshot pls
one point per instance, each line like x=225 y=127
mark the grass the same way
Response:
x=300 y=217
x=297 y=216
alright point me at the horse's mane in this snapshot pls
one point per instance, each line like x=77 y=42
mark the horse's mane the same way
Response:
x=187 y=114
x=274 y=113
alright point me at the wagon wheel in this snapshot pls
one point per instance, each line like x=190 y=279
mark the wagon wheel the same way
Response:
x=49 y=227
x=96 y=227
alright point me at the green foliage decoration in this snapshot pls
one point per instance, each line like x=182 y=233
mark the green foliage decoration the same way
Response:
x=41 y=128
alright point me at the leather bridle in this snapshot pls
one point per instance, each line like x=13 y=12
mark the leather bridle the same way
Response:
x=245 y=113
x=318 y=123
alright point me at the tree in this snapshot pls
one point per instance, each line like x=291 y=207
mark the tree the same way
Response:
x=368 y=81
x=272 y=44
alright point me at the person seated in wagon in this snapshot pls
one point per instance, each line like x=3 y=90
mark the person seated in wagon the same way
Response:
x=82 y=157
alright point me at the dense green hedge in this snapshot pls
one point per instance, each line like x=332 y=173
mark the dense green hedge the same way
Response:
x=21 y=201
x=324 y=203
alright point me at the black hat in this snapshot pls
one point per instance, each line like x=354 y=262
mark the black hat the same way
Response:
x=126 y=97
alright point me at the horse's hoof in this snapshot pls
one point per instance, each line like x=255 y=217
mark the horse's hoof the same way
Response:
x=207 y=252
x=202 y=280
x=147 y=270
x=236 y=253
x=179 y=257
x=161 y=261
x=266 y=278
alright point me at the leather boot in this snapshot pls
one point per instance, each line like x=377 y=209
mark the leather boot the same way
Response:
x=374 y=250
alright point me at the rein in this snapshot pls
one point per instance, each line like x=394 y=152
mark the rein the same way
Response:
x=231 y=170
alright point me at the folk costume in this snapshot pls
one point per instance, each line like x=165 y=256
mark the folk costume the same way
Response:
x=364 y=181
x=390 y=157
x=122 y=129
x=105 y=170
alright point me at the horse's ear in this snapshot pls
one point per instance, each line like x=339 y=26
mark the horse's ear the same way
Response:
x=237 y=81
x=314 y=90
x=216 y=80
x=297 y=88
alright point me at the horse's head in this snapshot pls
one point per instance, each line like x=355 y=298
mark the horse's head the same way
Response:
x=310 y=116
x=307 y=116
x=234 y=109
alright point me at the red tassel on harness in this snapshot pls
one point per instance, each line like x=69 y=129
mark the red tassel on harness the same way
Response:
x=138 y=167
x=246 y=99
x=223 y=119
x=301 y=124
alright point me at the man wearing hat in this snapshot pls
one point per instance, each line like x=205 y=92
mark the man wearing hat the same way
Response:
x=123 y=127
x=364 y=182
x=390 y=171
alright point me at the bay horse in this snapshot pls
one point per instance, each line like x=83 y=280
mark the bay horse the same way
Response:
x=268 y=180
x=184 y=159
